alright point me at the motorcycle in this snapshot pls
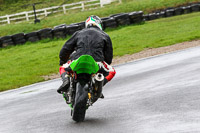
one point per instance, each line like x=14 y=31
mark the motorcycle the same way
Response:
x=85 y=86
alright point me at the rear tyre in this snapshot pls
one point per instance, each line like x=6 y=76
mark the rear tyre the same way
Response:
x=78 y=113
x=79 y=108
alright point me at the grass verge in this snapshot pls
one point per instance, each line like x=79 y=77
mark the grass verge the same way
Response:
x=77 y=15
x=26 y=64
x=16 y=6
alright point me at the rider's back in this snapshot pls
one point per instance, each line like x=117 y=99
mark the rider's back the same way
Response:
x=89 y=41
x=94 y=42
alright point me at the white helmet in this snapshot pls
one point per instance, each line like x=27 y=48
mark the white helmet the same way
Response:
x=93 y=21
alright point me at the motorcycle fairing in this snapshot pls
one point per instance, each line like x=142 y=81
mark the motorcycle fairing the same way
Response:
x=84 y=64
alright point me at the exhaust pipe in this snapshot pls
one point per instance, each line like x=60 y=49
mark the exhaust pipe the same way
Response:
x=98 y=78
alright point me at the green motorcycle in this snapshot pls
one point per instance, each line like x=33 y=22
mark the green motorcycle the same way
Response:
x=85 y=86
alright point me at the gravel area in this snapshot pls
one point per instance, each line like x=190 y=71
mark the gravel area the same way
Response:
x=143 y=54
x=155 y=51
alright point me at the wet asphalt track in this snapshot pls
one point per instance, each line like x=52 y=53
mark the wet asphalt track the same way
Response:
x=160 y=94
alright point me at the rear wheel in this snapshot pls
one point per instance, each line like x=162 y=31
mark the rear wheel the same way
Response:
x=79 y=108
x=78 y=113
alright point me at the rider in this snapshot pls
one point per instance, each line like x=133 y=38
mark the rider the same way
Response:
x=91 y=41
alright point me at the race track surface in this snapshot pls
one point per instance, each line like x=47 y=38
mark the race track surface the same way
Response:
x=160 y=94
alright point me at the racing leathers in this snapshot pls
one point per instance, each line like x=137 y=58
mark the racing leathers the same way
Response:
x=89 y=41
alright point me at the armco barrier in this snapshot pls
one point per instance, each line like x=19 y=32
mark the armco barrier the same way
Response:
x=61 y=31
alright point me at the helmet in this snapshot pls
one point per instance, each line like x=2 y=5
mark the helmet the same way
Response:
x=93 y=21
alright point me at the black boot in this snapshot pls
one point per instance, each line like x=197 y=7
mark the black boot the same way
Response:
x=65 y=85
x=105 y=81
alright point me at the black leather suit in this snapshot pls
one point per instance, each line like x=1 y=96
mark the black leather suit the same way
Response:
x=91 y=41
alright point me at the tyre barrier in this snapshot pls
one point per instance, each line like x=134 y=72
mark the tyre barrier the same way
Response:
x=178 y=11
x=186 y=9
x=6 y=41
x=59 y=32
x=160 y=14
x=136 y=17
x=122 y=19
x=1 y=42
x=18 y=38
x=32 y=37
x=81 y=25
x=45 y=33
x=58 y=26
x=113 y=21
x=109 y=23
x=71 y=29
x=169 y=13
x=195 y=7
x=150 y=16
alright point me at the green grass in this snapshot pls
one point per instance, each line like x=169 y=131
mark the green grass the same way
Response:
x=16 y=6
x=26 y=64
x=77 y=16
x=157 y=33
